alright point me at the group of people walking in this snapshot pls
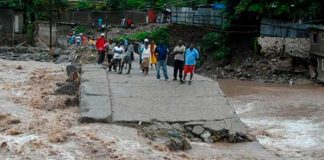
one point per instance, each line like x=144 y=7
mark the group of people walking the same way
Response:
x=151 y=55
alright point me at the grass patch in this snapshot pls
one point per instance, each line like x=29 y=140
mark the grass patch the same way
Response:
x=160 y=34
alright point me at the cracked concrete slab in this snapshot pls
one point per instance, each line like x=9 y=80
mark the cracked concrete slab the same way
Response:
x=95 y=88
x=94 y=96
x=111 y=97
x=143 y=98
x=95 y=109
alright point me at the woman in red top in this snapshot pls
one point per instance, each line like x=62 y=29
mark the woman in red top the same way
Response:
x=101 y=47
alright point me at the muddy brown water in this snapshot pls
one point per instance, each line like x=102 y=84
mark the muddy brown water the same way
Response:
x=237 y=88
x=287 y=120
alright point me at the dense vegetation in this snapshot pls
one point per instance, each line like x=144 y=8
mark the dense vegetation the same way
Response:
x=160 y=34
x=238 y=12
x=290 y=9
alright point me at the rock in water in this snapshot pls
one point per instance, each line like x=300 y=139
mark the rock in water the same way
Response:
x=57 y=52
x=163 y=125
x=205 y=135
x=197 y=130
x=180 y=143
x=62 y=58
x=72 y=56
x=70 y=69
x=69 y=88
x=178 y=127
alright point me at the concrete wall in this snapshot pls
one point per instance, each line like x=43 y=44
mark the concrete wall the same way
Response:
x=297 y=47
x=320 y=68
x=43 y=33
x=114 y=18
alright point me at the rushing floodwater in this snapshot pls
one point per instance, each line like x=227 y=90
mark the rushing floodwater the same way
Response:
x=286 y=120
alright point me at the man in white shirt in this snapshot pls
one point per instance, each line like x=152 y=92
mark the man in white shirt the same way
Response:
x=178 y=60
x=145 y=58
x=118 y=52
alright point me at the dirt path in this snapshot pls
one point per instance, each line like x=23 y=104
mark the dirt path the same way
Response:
x=287 y=120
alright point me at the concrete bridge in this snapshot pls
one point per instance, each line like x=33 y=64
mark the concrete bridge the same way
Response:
x=110 y=97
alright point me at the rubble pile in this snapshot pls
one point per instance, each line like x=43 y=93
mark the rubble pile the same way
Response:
x=75 y=55
x=71 y=85
x=72 y=54
x=177 y=136
x=25 y=54
x=274 y=68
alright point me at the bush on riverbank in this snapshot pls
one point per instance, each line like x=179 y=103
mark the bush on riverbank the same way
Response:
x=160 y=34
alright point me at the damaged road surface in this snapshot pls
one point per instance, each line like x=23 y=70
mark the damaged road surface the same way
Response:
x=138 y=98
x=180 y=117
x=134 y=97
x=39 y=119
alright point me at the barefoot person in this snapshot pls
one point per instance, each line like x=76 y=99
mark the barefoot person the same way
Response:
x=191 y=56
x=178 y=60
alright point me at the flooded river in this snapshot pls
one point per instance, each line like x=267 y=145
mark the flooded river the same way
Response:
x=287 y=120
x=35 y=123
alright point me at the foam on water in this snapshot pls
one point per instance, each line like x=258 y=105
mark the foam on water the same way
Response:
x=289 y=136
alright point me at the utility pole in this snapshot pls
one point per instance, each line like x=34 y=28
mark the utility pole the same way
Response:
x=50 y=21
x=13 y=31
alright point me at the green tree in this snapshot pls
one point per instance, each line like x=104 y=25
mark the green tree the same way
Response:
x=136 y=4
x=292 y=9
x=14 y=4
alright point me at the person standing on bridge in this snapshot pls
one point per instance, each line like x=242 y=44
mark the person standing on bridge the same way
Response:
x=153 y=59
x=139 y=51
x=145 y=55
x=110 y=53
x=100 y=45
x=128 y=58
x=118 y=52
x=178 y=60
x=141 y=47
x=191 y=56
x=162 y=54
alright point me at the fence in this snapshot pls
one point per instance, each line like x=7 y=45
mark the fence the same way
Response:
x=277 y=28
x=200 y=17
x=114 y=18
